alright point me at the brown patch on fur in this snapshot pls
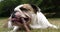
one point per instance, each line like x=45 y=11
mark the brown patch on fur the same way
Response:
x=28 y=7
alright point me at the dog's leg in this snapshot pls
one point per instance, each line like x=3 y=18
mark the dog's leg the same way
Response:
x=25 y=25
x=14 y=29
x=10 y=24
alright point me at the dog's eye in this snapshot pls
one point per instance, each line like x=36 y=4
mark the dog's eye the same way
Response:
x=23 y=9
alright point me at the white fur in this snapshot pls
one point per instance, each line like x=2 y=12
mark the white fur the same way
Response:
x=40 y=21
x=15 y=28
x=18 y=9
x=9 y=24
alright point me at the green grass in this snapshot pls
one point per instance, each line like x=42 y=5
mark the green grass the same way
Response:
x=55 y=21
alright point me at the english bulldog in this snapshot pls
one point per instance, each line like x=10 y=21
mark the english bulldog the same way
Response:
x=28 y=16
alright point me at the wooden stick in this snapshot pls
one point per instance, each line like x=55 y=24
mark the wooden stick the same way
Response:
x=25 y=25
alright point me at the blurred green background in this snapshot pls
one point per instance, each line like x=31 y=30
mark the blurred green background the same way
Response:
x=50 y=8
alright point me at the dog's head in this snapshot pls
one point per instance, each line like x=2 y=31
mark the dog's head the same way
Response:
x=24 y=9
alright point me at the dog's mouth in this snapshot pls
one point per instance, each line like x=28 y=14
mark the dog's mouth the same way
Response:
x=18 y=19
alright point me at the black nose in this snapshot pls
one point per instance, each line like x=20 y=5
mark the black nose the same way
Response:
x=13 y=14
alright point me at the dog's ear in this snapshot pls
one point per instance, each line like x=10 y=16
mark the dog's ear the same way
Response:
x=36 y=8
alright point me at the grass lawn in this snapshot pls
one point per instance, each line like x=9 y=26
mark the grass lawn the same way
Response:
x=55 y=21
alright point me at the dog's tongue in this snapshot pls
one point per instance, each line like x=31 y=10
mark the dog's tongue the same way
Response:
x=14 y=19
